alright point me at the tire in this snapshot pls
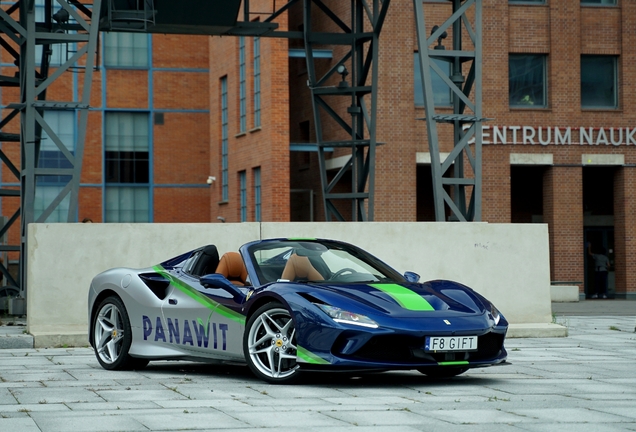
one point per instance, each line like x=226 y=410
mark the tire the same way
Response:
x=269 y=344
x=112 y=336
x=442 y=372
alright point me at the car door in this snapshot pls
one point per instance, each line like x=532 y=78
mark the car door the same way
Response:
x=201 y=321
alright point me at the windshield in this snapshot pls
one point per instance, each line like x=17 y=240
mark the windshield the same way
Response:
x=318 y=261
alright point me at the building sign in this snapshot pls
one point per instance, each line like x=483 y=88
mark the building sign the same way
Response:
x=530 y=135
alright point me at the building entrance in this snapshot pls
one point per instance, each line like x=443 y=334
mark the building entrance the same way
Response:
x=598 y=222
x=526 y=194
x=599 y=240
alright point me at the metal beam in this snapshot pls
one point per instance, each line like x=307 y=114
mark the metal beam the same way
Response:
x=462 y=200
x=358 y=122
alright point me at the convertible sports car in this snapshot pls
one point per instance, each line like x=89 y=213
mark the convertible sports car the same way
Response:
x=289 y=305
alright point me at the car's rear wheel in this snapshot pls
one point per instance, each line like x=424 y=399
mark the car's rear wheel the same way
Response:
x=270 y=344
x=112 y=336
x=442 y=371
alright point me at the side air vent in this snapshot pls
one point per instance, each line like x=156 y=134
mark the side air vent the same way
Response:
x=157 y=284
x=311 y=298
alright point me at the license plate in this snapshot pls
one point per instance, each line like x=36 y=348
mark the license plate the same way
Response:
x=450 y=343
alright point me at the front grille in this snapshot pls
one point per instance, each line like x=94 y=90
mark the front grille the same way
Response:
x=388 y=348
x=410 y=350
x=489 y=345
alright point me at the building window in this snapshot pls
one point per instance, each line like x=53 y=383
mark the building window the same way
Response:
x=527 y=80
x=62 y=123
x=242 y=84
x=127 y=148
x=224 y=140
x=599 y=88
x=126 y=50
x=49 y=187
x=127 y=204
x=598 y=2
x=44 y=196
x=441 y=92
x=243 y=193
x=257 y=82
x=257 y=194
x=127 y=167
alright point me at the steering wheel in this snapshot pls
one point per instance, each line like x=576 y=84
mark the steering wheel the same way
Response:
x=343 y=271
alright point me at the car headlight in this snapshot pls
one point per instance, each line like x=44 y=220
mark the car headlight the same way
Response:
x=496 y=315
x=344 y=317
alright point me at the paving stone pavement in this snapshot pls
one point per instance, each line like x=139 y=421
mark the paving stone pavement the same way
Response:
x=585 y=382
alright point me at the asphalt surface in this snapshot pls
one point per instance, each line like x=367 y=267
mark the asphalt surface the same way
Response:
x=585 y=382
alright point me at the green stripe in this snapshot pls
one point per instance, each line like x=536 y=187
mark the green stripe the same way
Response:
x=453 y=363
x=199 y=297
x=309 y=357
x=407 y=298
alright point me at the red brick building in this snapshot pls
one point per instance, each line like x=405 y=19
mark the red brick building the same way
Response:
x=147 y=151
x=561 y=148
x=199 y=129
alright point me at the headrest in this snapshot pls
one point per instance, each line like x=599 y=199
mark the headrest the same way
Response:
x=231 y=266
x=234 y=264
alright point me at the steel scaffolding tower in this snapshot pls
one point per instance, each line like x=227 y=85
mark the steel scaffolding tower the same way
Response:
x=23 y=38
x=466 y=119
x=357 y=42
x=362 y=58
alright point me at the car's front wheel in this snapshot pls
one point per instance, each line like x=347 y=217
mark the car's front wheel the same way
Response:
x=270 y=344
x=112 y=336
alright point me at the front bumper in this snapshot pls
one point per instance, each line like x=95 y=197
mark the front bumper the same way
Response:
x=360 y=349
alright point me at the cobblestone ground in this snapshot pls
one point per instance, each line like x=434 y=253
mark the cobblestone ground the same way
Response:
x=585 y=382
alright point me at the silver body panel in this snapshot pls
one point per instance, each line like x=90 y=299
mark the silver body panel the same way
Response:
x=176 y=327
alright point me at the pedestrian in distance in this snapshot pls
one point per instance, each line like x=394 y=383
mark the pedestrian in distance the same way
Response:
x=601 y=268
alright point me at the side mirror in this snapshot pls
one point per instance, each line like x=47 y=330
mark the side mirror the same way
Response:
x=411 y=277
x=217 y=281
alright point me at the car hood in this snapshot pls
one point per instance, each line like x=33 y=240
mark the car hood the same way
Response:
x=403 y=299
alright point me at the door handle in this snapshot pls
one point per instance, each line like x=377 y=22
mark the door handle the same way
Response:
x=172 y=301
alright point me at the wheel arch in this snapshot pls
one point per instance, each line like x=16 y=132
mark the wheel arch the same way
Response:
x=262 y=300
x=98 y=300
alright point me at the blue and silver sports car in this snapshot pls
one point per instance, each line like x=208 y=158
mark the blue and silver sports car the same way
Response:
x=284 y=306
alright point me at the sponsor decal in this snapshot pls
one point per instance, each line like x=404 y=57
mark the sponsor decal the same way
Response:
x=307 y=356
x=453 y=363
x=405 y=297
x=199 y=297
x=186 y=332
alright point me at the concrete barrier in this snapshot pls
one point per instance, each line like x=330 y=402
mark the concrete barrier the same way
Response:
x=564 y=293
x=507 y=263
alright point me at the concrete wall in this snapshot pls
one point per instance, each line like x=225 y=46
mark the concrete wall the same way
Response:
x=507 y=263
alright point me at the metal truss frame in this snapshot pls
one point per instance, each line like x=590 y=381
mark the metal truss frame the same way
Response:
x=358 y=123
x=19 y=36
x=467 y=114
x=362 y=39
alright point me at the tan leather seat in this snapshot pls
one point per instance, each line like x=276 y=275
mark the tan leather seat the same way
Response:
x=231 y=266
x=299 y=267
